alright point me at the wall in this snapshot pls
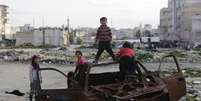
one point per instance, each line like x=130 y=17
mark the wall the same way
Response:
x=24 y=37
x=196 y=28
x=53 y=36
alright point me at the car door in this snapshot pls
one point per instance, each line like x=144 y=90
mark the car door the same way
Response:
x=175 y=81
x=57 y=90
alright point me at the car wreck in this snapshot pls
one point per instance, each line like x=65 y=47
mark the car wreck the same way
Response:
x=144 y=86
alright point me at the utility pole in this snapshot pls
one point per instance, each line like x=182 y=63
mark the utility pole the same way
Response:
x=43 y=32
x=68 y=25
x=33 y=22
x=71 y=35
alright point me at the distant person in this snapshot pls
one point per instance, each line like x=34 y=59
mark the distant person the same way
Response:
x=103 y=39
x=34 y=75
x=126 y=62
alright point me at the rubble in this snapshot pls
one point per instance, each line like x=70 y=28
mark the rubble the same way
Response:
x=193 y=94
x=13 y=55
x=56 y=61
x=64 y=56
x=196 y=82
x=192 y=72
x=61 y=53
x=193 y=86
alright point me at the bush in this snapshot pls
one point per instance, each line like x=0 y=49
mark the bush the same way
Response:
x=191 y=98
x=45 y=46
x=178 y=54
x=79 y=40
x=84 y=47
x=26 y=45
x=197 y=51
x=144 y=56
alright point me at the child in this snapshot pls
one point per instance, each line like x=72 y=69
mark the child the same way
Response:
x=126 y=55
x=81 y=65
x=34 y=75
x=103 y=38
x=80 y=59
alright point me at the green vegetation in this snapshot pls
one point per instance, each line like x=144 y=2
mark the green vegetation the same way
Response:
x=46 y=46
x=193 y=72
x=30 y=45
x=79 y=40
x=84 y=47
x=178 y=54
x=191 y=98
x=26 y=45
x=188 y=72
x=144 y=56
x=198 y=51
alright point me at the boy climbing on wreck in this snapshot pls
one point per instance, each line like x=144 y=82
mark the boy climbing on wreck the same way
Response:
x=103 y=39
x=126 y=62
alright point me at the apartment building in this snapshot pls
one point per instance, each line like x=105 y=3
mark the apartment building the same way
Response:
x=178 y=20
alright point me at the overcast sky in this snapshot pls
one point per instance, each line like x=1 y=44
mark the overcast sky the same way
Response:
x=85 y=13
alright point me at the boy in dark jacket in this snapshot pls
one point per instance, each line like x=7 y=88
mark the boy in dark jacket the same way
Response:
x=104 y=38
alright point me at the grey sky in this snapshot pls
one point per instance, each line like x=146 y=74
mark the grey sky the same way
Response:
x=85 y=13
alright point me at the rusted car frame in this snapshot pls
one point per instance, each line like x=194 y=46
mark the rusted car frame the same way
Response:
x=147 y=86
x=176 y=83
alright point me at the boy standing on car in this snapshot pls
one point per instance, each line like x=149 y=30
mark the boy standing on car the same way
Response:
x=103 y=39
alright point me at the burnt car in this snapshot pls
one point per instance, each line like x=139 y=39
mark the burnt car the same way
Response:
x=145 y=85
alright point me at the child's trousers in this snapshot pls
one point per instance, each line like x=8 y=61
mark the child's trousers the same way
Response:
x=104 y=45
x=126 y=67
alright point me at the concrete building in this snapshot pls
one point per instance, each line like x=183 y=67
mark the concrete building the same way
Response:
x=10 y=31
x=196 y=28
x=165 y=23
x=6 y=30
x=3 y=19
x=148 y=27
x=176 y=21
x=66 y=37
x=42 y=36
x=24 y=37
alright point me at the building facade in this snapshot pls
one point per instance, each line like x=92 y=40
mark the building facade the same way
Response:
x=196 y=28
x=176 y=21
x=42 y=36
x=3 y=20
x=165 y=23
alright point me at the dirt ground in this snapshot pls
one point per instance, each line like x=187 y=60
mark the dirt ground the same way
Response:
x=15 y=76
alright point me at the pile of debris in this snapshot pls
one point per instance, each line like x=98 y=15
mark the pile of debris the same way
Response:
x=193 y=84
x=56 y=61
x=193 y=93
x=14 y=56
